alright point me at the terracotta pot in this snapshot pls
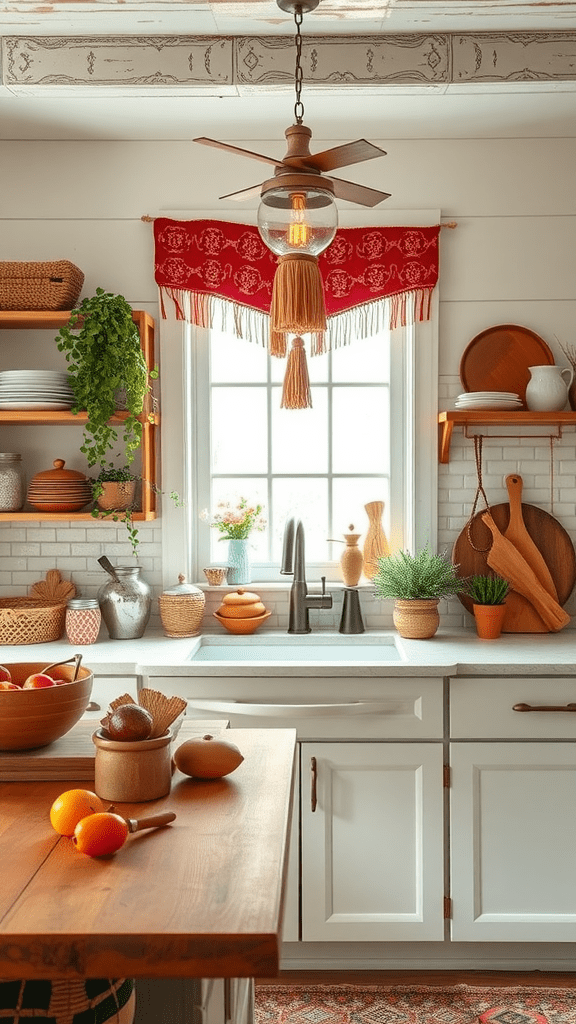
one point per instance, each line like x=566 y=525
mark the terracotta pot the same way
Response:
x=116 y=494
x=416 y=620
x=489 y=619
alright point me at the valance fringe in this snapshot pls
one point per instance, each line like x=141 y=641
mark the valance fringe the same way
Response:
x=246 y=323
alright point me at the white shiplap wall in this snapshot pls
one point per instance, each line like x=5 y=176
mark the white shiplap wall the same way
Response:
x=510 y=260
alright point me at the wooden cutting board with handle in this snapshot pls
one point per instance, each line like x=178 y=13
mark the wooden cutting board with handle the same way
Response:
x=519 y=610
x=506 y=560
x=551 y=540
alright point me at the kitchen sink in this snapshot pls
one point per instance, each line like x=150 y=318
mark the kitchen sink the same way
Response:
x=340 y=650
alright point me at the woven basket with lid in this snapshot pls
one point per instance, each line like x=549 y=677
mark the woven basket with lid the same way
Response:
x=182 y=609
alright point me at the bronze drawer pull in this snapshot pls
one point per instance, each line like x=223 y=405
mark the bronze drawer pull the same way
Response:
x=313 y=778
x=543 y=707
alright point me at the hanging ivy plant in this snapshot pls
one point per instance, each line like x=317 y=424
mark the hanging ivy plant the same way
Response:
x=102 y=348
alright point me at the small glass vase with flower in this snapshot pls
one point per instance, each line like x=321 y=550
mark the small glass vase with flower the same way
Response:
x=235 y=523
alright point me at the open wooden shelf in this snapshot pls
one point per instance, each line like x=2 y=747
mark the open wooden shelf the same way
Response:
x=53 y=320
x=484 y=417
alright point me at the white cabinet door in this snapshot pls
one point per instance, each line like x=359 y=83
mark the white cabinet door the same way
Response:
x=513 y=831
x=372 y=849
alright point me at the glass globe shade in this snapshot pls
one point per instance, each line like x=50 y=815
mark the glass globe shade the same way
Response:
x=292 y=219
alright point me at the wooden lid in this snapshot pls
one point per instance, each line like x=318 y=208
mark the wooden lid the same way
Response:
x=59 y=473
x=240 y=597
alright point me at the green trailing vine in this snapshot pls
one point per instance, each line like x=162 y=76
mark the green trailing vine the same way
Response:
x=102 y=347
x=101 y=343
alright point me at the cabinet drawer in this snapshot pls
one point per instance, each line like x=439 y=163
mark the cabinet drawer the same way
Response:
x=483 y=708
x=321 y=708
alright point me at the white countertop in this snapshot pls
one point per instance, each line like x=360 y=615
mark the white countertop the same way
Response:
x=456 y=653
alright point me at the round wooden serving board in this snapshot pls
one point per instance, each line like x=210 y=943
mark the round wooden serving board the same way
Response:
x=498 y=358
x=548 y=534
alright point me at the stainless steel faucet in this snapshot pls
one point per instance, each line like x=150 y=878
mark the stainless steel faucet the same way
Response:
x=293 y=562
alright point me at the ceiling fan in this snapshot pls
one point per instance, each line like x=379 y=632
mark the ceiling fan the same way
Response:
x=300 y=169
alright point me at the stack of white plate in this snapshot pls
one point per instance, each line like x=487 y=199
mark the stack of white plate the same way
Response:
x=35 y=389
x=496 y=400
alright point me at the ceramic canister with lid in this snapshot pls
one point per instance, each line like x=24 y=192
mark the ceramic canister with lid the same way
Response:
x=83 y=618
x=12 y=482
x=182 y=609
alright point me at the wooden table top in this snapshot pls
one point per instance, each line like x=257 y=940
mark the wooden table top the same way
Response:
x=202 y=897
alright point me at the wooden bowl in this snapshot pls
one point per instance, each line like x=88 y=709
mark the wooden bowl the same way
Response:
x=35 y=718
x=242 y=626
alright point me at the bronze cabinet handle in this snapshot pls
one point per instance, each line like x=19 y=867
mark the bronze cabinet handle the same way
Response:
x=313 y=779
x=543 y=707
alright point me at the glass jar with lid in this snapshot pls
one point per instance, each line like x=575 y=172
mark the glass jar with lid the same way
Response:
x=12 y=482
x=83 y=618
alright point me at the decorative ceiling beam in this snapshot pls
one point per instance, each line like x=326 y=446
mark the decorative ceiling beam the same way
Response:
x=221 y=65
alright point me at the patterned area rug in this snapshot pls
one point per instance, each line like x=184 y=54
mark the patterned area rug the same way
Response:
x=374 y=1004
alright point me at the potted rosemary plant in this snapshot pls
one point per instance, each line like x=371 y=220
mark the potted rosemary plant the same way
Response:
x=488 y=595
x=416 y=583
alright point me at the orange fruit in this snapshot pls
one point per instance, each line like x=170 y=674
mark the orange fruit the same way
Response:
x=70 y=807
x=99 y=834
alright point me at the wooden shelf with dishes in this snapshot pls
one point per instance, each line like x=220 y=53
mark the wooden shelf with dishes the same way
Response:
x=484 y=417
x=53 y=320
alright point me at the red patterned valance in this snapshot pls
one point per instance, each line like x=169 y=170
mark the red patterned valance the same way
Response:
x=220 y=274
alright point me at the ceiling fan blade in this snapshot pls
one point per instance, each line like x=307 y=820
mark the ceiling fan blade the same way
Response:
x=241 y=152
x=361 y=194
x=342 y=156
x=244 y=193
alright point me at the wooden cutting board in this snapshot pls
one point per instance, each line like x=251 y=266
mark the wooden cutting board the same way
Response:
x=550 y=538
x=72 y=757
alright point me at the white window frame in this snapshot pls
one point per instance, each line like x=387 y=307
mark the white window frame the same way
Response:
x=413 y=414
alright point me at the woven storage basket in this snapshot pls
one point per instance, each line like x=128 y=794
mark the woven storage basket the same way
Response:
x=29 y=620
x=181 y=616
x=55 y=285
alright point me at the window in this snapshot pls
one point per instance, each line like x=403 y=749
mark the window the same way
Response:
x=371 y=435
x=320 y=464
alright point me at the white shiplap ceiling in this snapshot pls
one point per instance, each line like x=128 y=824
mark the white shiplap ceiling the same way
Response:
x=517 y=109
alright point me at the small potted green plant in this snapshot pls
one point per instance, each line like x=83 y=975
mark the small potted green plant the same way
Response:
x=488 y=595
x=416 y=583
x=114 y=488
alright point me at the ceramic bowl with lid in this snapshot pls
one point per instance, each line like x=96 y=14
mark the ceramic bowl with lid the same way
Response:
x=241 y=604
x=242 y=626
x=59 y=489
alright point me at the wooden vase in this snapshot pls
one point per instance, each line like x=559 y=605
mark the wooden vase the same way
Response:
x=489 y=619
x=375 y=544
x=416 y=620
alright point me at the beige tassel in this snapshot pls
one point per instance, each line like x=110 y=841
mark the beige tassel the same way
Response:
x=297 y=296
x=296 y=390
x=277 y=345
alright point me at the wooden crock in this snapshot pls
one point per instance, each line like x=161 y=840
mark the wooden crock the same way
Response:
x=131 y=772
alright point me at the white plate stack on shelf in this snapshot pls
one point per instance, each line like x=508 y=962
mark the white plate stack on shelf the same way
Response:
x=499 y=401
x=35 y=389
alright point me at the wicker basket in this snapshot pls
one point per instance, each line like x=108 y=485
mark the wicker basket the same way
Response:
x=28 y=620
x=55 y=285
x=181 y=615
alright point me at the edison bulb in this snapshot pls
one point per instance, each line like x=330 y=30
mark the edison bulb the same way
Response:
x=297 y=219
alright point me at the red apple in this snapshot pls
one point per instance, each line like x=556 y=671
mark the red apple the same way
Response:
x=38 y=680
x=5 y=685
x=5 y=676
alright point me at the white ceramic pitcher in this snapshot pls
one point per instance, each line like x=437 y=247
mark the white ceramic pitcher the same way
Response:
x=547 y=389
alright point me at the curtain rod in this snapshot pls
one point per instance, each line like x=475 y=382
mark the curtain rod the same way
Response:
x=447 y=224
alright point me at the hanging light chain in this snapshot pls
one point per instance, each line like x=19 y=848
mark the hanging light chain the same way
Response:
x=298 y=74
